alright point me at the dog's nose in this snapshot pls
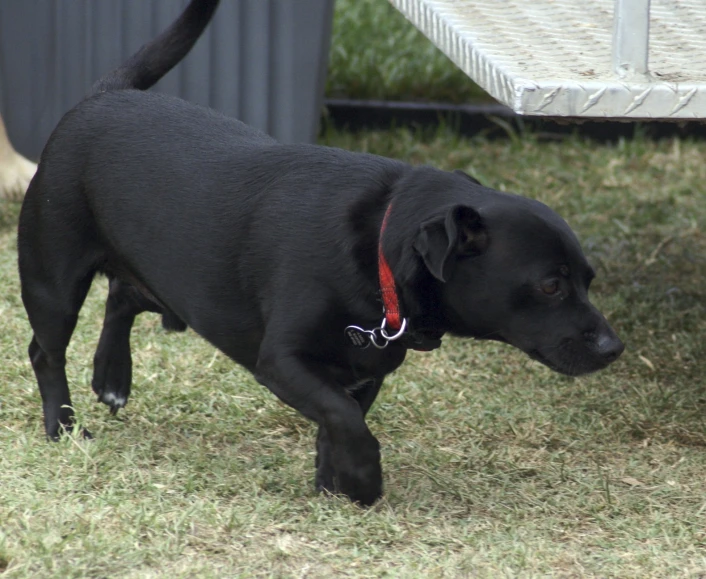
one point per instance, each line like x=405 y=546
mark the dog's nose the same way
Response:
x=609 y=346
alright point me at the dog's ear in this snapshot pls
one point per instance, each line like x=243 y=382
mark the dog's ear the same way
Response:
x=460 y=232
x=467 y=176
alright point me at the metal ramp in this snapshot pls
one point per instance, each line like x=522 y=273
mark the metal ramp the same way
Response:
x=576 y=58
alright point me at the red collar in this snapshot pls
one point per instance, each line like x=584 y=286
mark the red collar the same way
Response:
x=390 y=300
x=423 y=341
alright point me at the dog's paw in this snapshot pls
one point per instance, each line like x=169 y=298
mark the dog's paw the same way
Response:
x=115 y=400
x=112 y=377
x=67 y=430
x=364 y=486
x=323 y=482
x=358 y=473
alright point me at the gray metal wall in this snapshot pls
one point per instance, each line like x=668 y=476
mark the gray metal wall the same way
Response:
x=262 y=61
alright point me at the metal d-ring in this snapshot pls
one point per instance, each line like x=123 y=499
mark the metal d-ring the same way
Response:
x=373 y=341
x=397 y=335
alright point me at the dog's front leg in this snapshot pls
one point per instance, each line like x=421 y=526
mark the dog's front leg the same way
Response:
x=325 y=474
x=364 y=393
x=305 y=384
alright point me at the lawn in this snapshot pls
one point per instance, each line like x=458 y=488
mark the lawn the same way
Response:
x=494 y=466
x=377 y=54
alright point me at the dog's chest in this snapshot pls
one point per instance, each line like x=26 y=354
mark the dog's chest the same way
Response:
x=370 y=364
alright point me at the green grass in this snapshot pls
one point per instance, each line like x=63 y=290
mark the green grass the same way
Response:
x=377 y=54
x=494 y=466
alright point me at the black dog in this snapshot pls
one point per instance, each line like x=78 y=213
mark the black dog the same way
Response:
x=313 y=267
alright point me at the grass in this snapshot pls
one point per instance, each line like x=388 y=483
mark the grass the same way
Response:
x=377 y=54
x=494 y=466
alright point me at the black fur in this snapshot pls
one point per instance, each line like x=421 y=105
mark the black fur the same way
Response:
x=158 y=57
x=269 y=251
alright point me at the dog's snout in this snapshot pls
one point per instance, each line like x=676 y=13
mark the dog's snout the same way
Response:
x=609 y=346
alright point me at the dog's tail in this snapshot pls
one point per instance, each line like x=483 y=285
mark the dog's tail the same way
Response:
x=157 y=57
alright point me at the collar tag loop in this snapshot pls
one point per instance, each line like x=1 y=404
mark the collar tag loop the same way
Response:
x=378 y=337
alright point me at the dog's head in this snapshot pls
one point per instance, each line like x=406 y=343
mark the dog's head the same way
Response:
x=512 y=270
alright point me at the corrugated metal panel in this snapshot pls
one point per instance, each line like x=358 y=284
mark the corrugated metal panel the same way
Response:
x=262 y=61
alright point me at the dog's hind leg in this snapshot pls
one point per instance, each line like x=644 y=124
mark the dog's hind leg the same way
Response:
x=112 y=363
x=52 y=300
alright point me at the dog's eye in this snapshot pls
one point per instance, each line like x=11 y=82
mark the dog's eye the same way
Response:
x=550 y=286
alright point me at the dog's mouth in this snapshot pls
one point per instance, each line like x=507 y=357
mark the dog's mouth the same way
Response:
x=569 y=360
x=564 y=359
x=539 y=357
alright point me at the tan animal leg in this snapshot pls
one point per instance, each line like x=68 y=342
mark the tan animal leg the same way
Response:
x=15 y=171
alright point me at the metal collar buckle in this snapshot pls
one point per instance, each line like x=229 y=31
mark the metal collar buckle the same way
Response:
x=378 y=337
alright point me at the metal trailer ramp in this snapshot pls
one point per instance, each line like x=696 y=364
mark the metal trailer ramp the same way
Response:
x=576 y=58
